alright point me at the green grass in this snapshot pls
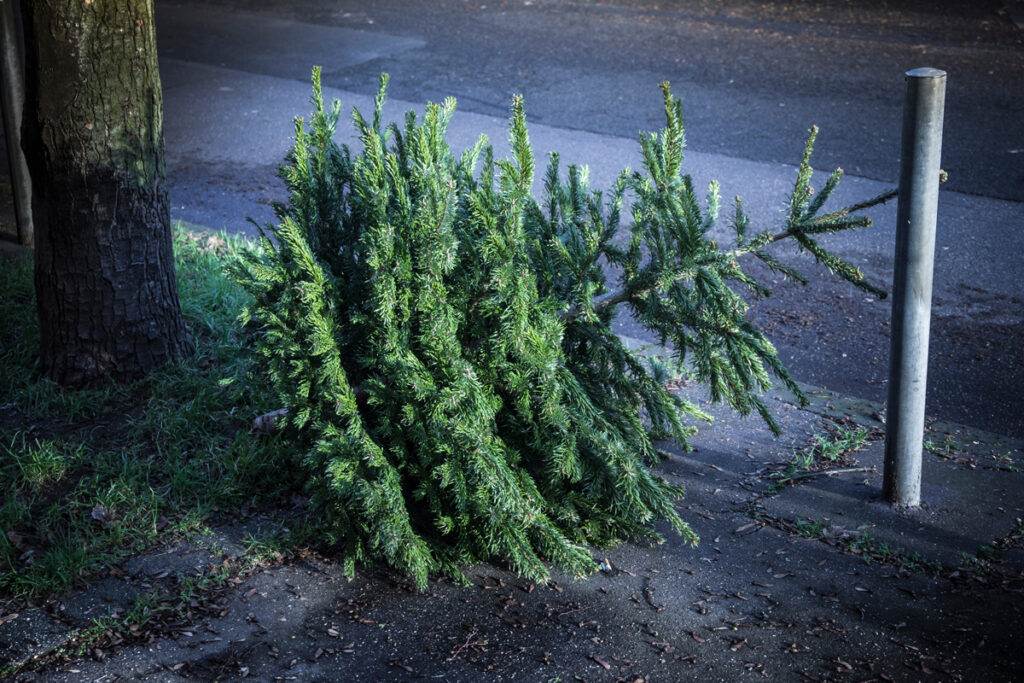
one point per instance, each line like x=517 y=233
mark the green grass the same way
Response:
x=861 y=543
x=1006 y=462
x=35 y=463
x=90 y=476
x=873 y=550
x=809 y=528
x=950 y=449
x=947 y=448
x=824 y=452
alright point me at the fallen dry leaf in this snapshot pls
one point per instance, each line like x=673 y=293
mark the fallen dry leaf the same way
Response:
x=102 y=515
x=268 y=422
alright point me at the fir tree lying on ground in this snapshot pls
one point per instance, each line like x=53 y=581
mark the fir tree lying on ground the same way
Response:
x=442 y=340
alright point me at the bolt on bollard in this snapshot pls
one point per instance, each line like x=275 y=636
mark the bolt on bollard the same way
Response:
x=912 y=283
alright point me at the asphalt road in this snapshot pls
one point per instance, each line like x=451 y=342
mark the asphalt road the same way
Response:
x=753 y=77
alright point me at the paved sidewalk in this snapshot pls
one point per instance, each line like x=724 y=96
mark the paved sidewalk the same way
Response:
x=815 y=580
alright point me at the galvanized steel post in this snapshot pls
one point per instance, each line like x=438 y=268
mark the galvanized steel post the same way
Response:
x=912 y=283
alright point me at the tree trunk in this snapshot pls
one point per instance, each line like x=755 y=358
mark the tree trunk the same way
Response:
x=104 y=269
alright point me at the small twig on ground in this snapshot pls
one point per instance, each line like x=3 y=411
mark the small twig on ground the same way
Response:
x=830 y=473
x=571 y=611
x=649 y=595
x=460 y=648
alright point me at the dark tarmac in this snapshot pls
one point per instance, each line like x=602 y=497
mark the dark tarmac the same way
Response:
x=816 y=581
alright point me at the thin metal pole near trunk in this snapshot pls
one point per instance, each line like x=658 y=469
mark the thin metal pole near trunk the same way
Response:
x=912 y=283
x=12 y=98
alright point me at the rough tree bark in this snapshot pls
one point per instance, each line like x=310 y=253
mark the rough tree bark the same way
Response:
x=93 y=135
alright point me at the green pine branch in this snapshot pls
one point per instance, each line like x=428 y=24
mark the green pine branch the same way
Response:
x=441 y=340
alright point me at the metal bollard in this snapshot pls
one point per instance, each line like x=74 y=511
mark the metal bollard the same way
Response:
x=912 y=283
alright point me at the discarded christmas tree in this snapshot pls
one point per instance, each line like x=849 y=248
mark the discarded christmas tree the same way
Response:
x=442 y=340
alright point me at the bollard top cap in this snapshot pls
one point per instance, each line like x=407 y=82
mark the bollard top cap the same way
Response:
x=926 y=72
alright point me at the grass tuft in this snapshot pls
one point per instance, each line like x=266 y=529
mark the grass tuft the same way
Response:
x=826 y=451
